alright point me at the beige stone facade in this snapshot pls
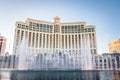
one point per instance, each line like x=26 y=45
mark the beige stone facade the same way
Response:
x=50 y=37
x=114 y=46
x=2 y=45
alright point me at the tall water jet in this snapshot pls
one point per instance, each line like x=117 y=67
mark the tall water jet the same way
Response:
x=22 y=60
x=89 y=55
x=86 y=56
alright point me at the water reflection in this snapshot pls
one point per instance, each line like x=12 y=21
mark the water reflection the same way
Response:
x=116 y=75
x=105 y=75
x=5 y=75
x=59 y=75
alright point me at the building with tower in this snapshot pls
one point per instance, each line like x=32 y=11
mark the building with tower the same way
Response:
x=54 y=37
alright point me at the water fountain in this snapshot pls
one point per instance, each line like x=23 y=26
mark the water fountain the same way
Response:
x=22 y=61
x=86 y=56
x=59 y=60
x=56 y=61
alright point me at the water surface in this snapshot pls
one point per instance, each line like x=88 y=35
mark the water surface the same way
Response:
x=59 y=75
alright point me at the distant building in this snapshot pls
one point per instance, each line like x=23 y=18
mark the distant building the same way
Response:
x=2 y=45
x=114 y=46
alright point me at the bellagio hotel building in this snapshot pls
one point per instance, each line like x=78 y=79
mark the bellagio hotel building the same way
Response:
x=53 y=37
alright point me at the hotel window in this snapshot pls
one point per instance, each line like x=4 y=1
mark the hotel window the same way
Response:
x=23 y=26
x=95 y=51
x=79 y=41
x=69 y=27
x=62 y=41
x=19 y=26
x=29 y=41
x=47 y=40
x=44 y=28
x=40 y=40
x=47 y=26
x=34 y=25
x=36 y=40
x=33 y=37
x=50 y=41
x=72 y=41
x=33 y=28
x=26 y=34
x=37 y=25
x=85 y=30
x=65 y=27
x=22 y=34
x=30 y=23
x=66 y=41
x=93 y=30
x=69 y=42
x=27 y=28
x=56 y=40
x=43 y=40
x=76 y=40
x=62 y=27
x=51 y=27
x=78 y=28
x=56 y=28
x=82 y=29
x=82 y=25
x=30 y=26
x=40 y=27
x=72 y=29
x=89 y=29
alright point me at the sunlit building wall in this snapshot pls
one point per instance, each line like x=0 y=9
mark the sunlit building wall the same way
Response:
x=53 y=37
x=2 y=45
x=114 y=46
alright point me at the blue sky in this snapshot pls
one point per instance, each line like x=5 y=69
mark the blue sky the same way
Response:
x=104 y=14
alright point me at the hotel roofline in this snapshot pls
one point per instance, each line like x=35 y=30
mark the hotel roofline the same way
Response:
x=53 y=23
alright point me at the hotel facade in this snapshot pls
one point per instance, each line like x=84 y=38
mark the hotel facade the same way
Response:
x=54 y=37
